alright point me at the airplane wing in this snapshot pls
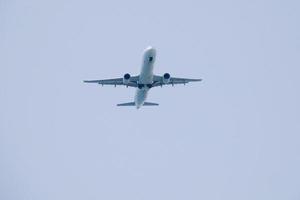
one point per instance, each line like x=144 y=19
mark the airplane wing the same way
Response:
x=115 y=81
x=158 y=81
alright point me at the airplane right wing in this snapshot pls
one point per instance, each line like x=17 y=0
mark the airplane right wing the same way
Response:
x=158 y=81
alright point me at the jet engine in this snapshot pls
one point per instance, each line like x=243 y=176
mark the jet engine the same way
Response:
x=126 y=78
x=166 y=78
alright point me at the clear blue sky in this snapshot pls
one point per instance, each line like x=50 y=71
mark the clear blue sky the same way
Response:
x=234 y=136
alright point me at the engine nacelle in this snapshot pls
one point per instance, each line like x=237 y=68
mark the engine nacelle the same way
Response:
x=166 y=78
x=126 y=78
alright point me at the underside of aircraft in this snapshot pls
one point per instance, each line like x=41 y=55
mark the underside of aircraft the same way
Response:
x=144 y=81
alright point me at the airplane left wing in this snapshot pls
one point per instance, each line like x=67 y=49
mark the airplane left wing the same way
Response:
x=158 y=81
x=116 y=81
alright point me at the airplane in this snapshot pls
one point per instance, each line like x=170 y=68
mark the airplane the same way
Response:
x=144 y=81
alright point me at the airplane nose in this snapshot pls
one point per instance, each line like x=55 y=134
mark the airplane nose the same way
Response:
x=150 y=49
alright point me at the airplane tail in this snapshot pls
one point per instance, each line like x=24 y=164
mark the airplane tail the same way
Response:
x=133 y=104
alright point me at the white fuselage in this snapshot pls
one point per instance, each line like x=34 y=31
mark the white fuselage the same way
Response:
x=146 y=77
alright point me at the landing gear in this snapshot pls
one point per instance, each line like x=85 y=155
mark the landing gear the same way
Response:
x=149 y=86
x=140 y=86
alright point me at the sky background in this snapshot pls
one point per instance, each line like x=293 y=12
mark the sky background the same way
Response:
x=236 y=135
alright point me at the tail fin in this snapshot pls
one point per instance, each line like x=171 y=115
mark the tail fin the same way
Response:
x=126 y=104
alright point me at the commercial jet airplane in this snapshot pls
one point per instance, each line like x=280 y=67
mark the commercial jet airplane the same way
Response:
x=144 y=81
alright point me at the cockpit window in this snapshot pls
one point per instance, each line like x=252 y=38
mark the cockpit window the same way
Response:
x=150 y=59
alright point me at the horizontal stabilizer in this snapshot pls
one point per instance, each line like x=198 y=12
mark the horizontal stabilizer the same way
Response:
x=126 y=104
x=150 y=104
x=133 y=104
